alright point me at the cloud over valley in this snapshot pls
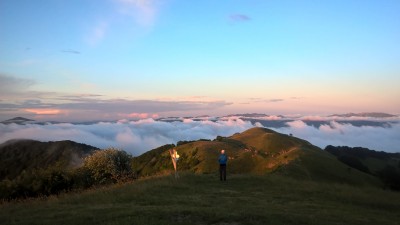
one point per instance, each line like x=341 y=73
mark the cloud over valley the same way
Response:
x=135 y=137
x=142 y=135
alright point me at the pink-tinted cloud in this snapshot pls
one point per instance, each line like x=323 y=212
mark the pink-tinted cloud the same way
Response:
x=44 y=111
x=298 y=124
x=140 y=115
x=97 y=33
x=97 y=107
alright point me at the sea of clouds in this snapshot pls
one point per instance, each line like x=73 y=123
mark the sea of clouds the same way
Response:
x=140 y=136
x=379 y=138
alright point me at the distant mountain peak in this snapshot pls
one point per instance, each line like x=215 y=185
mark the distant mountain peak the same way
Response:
x=255 y=151
x=250 y=115
x=365 y=114
x=17 y=120
x=21 y=118
x=258 y=131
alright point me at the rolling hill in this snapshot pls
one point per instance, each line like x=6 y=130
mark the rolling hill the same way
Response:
x=255 y=151
x=304 y=185
x=17 y=156
x=18 y=120
x=384 y=165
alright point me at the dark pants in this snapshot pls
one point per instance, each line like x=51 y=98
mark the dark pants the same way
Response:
x=222 y=171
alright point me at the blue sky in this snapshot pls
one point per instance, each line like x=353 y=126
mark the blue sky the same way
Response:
x=77 y=60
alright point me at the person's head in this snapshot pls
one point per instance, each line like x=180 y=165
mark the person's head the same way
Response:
x=222 y=151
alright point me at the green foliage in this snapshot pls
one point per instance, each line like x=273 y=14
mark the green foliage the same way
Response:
x=219 y=138
x=255 y=151
x=102 y=167
x=38 y=182
x=360 y=152
x=31 y=168
x=384 y=165
x=29 y=155
x=109 y=166
x=156 y=161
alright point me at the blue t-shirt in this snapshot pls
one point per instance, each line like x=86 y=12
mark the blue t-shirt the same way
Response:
x=222 y=159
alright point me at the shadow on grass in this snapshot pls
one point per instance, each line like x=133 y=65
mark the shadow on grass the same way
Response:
x=203 y=199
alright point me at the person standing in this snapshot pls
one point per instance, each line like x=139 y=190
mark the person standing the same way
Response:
x=222 y=159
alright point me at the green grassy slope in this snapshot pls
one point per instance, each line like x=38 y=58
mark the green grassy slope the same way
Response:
x=256 y=151
x=203 y=199
x=25 y=155
x=383 y=165
x=373 y=161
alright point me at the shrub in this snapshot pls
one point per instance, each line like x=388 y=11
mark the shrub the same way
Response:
x=102 y=167
x=37 y=182
x=109 y=166
x=219 y=138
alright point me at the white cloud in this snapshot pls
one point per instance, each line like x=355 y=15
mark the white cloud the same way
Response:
x=378 y=138
x=138 y=14
x=97 y=33
x=135 y=137
x=11 y=85
x=139 y=136
x=144 y=12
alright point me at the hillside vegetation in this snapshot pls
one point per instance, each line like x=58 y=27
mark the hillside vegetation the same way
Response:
x=384 y=165
x=32 y=169
x=17 y=156
x=255 y=151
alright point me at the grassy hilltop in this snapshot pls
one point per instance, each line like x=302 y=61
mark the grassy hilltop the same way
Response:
x=255 y=151
x=203 y=199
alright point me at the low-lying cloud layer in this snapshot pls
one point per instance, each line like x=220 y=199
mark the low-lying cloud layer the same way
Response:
x=140 y=136
x=135 y=137
x=378 y=138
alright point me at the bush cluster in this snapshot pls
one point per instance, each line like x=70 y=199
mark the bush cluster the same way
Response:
x=102 y=167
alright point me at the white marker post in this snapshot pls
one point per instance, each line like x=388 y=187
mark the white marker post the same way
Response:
x=174 y=158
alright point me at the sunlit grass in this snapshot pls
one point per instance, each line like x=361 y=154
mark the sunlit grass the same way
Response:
x=203 y=199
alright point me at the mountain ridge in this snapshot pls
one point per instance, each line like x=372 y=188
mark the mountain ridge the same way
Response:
x=20 y=155
x=365 y=114
x=18 y=120
x=384 y=165
x=254 y=151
